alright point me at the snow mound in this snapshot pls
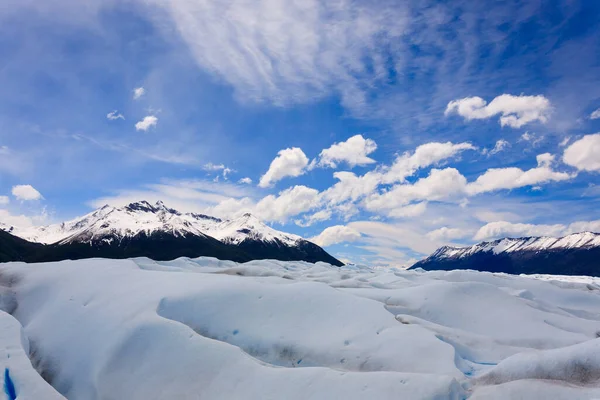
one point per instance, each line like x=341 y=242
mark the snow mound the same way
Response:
x=204 y=328
x=578 y=364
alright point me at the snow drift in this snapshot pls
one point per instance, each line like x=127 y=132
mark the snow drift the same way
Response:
x=210 y=329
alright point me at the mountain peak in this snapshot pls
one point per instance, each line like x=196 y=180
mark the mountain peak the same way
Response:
x=141 y=205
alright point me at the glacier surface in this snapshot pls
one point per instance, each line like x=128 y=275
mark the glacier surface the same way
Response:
x=208 y=329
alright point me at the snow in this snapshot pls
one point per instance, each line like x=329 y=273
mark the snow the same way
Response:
x=109 y=223
x=211 y=329
x=509 y=245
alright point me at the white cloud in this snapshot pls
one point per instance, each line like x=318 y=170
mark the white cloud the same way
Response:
x=184 y=195
x=353 y=151
x=288 y=203
x=292 y=52
x=231 y=208
x=323 y=215
x=584 y=154
x=545 y=159
x=424 y=156
x=213 y=167
x=138 y=92
x=114 y=115
x=146 y=123
x=4 y=200
x=514 y=111
x=595 y=114
x=8 y=220
x=246 y=181
x=351 y=186
x=565 y=141
x=444 y=233
x=584 y=226
x=26 y=193
x=512 y=177
x=501 y=229
x=226 y=172
x=289 y=162
x=336 y=234
x=441 y=184
x=411 y=211
x=394 y=236
x=219 y=167
x=532 y=138
x=498 y=147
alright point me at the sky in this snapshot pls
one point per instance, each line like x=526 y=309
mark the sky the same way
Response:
x=380 y=130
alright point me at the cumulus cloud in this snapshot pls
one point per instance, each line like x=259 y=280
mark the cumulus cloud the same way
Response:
x=444 y=233
x=424 y=156
x=146 y=123
x=351 y=186
x=4 y=200
x=290 y=162
x=26 y=193
x=353 y=152
x=246 y=181
x=500 y=229
x=584 y=154
x=336 y=234
x=114 y=115
x=595 y=114
x=288 y=203
x=441 y=184
x=514 y=111
x=138 y=92
x=512 y=177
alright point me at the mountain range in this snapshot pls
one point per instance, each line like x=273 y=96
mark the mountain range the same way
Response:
x=575 y=254
x=156 y=231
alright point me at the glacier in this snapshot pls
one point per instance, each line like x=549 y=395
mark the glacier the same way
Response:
x=203 y=328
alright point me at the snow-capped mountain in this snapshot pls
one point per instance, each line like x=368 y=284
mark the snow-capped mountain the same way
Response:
x=144 y=218
x=131 y=225
x=575 y=254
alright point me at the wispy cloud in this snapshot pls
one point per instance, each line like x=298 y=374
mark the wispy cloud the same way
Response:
x=114 y=115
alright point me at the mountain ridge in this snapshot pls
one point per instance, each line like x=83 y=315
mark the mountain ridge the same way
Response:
x=118 y=230
x=573 y=254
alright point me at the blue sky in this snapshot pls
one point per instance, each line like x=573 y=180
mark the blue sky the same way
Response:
x=440 y=122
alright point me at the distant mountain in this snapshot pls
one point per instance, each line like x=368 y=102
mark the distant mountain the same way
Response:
x=159 y=232
x=575 y=254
